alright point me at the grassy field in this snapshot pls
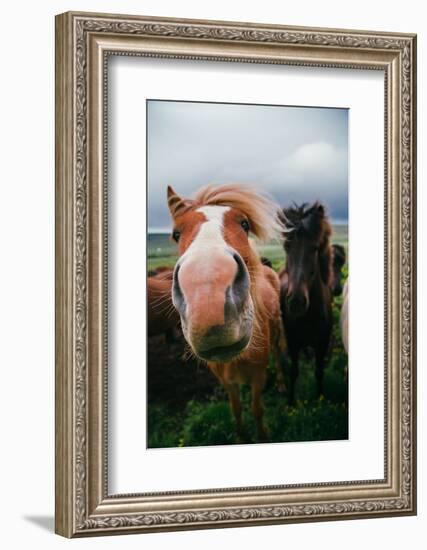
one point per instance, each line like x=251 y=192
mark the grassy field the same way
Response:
x=188 y=407
x=162 y=250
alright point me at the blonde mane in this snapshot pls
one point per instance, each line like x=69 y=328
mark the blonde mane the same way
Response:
x=261 y=210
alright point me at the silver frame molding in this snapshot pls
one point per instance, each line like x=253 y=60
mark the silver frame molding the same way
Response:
x=83 y=43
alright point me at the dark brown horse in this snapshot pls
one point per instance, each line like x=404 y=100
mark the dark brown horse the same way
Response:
x=306 y=295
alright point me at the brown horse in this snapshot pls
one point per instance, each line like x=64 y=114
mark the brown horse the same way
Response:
x=162 y=317
x=228 y=301
x=306 y=294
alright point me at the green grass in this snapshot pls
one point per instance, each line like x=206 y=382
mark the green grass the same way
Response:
x=210 y=421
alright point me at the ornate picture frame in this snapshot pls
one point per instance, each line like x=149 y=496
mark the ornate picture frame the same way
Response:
x=83 y=43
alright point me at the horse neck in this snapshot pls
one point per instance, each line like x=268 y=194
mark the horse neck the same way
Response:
x=325 y=264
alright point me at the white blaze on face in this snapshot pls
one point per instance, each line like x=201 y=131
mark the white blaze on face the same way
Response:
x=206 y=270
x=206 y=273
x=210 y=236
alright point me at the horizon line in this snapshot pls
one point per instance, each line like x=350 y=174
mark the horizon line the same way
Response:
x=166 y=230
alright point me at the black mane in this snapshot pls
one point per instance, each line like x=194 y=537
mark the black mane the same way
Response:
x=305 y=219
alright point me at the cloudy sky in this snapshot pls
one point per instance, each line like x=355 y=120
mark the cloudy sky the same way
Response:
x=295 y=153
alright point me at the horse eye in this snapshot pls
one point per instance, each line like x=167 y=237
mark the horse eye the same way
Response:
x=245 y=225
x=176 y=235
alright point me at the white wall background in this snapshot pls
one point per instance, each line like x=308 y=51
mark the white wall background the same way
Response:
x=27 y=273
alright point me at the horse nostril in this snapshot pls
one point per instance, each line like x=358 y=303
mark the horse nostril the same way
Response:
x=240 y=285
x=241 y=270
x=177 y=295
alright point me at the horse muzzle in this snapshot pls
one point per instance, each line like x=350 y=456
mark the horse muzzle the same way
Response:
x=297 y=304
x=215 y=305
x=224 y=353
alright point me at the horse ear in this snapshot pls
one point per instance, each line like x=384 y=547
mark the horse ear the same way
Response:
x=285 y=221
x=320 y=209
x=175 y=202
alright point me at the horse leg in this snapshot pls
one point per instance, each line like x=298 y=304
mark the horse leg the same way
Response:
x=257 y=406
x=233 y=391
x=320 y=365
x=277 y=345
x=294 y=376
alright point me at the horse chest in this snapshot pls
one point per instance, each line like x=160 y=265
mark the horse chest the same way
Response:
x=307 y=330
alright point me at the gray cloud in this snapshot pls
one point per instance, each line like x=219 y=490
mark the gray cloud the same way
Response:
x=294 y=153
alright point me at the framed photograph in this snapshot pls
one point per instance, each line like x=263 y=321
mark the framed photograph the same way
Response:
x=235 y=274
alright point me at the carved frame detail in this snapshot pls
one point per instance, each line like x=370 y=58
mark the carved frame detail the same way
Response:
x=83 y=506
